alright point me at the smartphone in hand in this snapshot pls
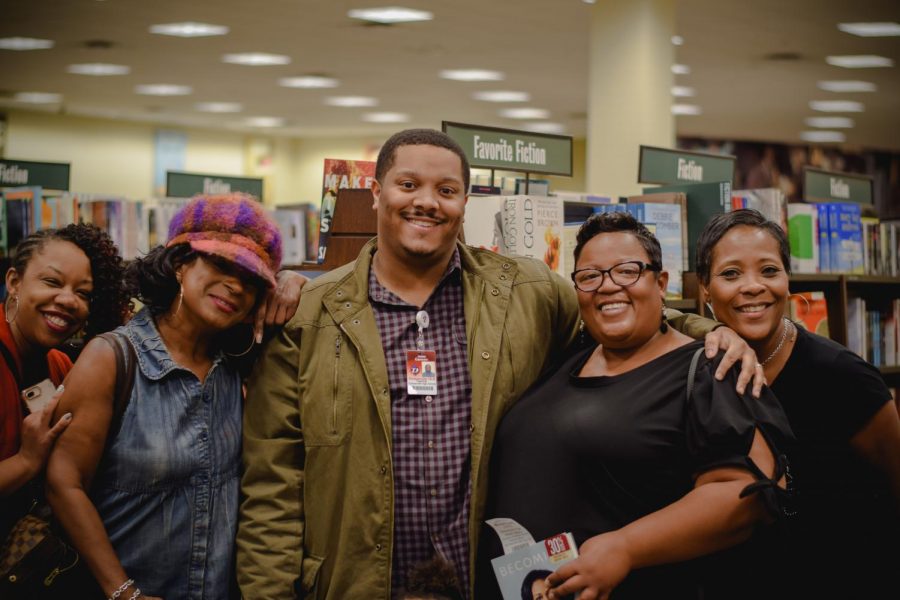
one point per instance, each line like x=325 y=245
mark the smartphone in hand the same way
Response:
x=38 y=396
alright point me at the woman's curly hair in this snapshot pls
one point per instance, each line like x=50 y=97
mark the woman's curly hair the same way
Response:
x=110 y=300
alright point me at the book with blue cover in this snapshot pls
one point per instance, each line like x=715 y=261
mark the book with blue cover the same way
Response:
x=668 y=230
x=845 y=231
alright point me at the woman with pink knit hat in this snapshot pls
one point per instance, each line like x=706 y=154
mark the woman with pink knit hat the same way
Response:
x=149 y=496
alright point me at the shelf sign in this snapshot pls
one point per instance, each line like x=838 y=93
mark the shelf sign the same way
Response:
x=184 y=185
x=832 y=186
x=665 y=166
x=511 y=150
x=52 y=176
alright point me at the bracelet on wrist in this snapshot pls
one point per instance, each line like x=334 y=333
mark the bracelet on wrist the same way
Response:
x=137 y=594
x=121 y=589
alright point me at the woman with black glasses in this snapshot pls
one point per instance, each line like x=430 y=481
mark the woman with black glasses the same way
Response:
x=613 y=448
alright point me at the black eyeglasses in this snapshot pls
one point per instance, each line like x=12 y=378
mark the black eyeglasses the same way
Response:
x=622 y=274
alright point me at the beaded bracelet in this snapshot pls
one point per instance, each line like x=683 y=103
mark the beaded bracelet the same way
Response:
x=121 y=589
x=137 y=594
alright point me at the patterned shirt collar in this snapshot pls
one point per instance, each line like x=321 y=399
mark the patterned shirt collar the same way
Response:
x=380 y=293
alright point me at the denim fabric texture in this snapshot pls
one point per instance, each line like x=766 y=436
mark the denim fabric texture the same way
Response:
x=167 y=489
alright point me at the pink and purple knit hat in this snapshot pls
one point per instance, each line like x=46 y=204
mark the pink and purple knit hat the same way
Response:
x=234 y=226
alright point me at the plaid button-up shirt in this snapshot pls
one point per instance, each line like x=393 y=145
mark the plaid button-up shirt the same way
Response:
x=430 y=433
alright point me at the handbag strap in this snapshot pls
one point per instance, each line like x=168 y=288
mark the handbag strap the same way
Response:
x=692 y=372
x=125 y=370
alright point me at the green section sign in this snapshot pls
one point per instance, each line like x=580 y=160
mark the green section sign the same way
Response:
x=52 y=176
x=664 y=166
x=185 y=185
x=831 y=186
x=511 y=150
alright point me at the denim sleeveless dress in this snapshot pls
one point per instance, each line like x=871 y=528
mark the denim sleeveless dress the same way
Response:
x=167 y=488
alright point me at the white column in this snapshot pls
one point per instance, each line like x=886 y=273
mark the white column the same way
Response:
x=629 y=89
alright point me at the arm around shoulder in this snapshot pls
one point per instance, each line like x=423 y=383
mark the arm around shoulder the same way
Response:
x=271 y=526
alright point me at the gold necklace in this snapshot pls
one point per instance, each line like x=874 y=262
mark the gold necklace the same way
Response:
x=784 y=332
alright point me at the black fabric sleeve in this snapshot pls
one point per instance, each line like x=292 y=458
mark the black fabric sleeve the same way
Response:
x=720 y=425
x=859 y=389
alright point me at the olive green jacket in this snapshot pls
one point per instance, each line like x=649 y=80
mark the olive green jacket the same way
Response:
x=317 y=514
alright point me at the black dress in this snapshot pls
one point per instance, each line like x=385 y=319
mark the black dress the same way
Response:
x=845 y=539
x=592 y=454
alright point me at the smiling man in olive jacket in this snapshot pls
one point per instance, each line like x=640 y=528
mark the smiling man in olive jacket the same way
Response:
x=352 y=474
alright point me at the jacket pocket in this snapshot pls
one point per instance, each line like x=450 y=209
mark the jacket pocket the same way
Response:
x=326 y=411
x=309 y=573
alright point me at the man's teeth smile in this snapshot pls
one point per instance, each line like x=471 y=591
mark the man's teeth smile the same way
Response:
x=419 y=223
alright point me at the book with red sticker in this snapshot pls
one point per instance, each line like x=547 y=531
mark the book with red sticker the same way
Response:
x=526 y=568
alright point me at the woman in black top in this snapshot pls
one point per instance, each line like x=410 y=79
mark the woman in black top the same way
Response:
x=847 y=457
x=611 y=448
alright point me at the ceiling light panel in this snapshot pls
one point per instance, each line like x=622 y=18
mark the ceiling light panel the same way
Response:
x=823 y=136
x=830 y=122
x=351 y=101
x=836 y=106
x=219 y=107
x=38 y=98
x=389 y=15
x=871 y=29
x=847 y=86
x=544 y=127
x=163 y=89
x=256 y=59
x=677 y=40
x=189 y=29
x=502 y=96
x=683 y=91
x=24 y=43
x=681 y=69
x=686 y=109
x=472 y=75
x=99 y=69
x=264 y=121
x=859 y=61
x=386 y=117
x=308 y=82
x=525 y=113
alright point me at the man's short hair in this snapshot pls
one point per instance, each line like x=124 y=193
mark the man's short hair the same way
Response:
x=418 y=137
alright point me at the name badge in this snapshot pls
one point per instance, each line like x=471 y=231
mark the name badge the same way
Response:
x=421 y=372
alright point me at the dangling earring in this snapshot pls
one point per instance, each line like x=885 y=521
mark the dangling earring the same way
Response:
x=6 y=308
x=252 y=343
x=663 y=325
x=581 y=332
x=180 y=298
x=711 y=311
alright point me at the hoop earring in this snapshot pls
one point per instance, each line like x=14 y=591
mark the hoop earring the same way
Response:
x=180 y=298
x=6 y=308
x=252 y=343
x=805 y=299
x=711 y=311
x=663 y=325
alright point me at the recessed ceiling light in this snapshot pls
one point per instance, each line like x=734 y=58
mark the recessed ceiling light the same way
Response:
x=163 y=89
x=686 y=109
x=189 y=29
x=544 y=127
x=308 y=82
x=822 y=136
x=386 y=117
x=99 y=69
x=472 y=75
x=683 y=91
x=836 y=105
x=524 y=113
x=351 y=101
x=264 y=121
x=38 y=98
x=681 y=69
x=847 y=86
x=390 y=14
x=24 y=43
x=871 y=29
x=219 y=107
x=502 y=96
x=859 y=61
x=677 y=40
x=832 y=122
x=256 y=59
